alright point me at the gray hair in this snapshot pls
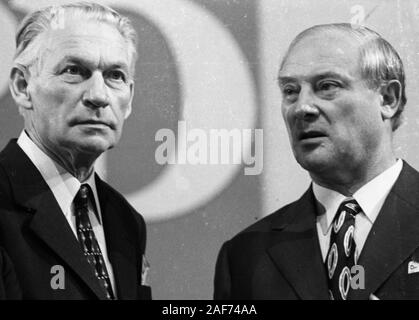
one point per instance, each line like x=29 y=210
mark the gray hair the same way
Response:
x=379 y=61
x=52 y=17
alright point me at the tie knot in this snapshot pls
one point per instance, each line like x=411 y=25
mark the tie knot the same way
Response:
x=351 y=206
x=84 y=191
x=82 y=197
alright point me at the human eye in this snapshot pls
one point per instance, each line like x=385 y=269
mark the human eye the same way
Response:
x=73 y=73
x=328 y=88
x=290 y=91
x=72 y=69
x=116 y=75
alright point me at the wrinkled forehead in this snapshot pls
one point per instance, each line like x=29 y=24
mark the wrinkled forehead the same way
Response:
x=323 y=50
x=83 y=30
x=90 y=38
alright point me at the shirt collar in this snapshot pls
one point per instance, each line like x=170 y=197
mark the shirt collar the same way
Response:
x=370 y=196
x=63 y=185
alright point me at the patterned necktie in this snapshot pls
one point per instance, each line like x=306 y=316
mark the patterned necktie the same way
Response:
x=88 y=239
x=341 y=256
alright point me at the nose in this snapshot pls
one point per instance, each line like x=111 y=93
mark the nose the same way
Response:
x=306 y=107
x=96 y=94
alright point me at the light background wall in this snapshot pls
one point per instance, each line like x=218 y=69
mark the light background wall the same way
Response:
x=281 y=21
x=196 y=210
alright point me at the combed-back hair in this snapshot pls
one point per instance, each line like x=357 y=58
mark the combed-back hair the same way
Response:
x=53 y=17
x=379 y=61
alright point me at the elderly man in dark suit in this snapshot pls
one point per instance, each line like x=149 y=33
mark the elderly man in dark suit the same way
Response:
x=354 y=234
x=68 y=233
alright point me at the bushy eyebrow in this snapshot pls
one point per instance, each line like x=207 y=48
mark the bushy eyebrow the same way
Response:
x=85 y=62
x=283 y=80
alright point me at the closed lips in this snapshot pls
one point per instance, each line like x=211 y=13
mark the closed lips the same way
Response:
x=95 y=122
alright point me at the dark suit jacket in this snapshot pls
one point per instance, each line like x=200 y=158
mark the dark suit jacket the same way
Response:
x=9 y=286
x=279 y=257
x=37 y=236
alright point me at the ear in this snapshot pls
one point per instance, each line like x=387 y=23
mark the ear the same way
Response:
x=129 y=109
x=19 y=87
x=391 y=94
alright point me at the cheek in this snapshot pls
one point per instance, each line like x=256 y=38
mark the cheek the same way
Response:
x=360 y=125
x=52 y=108
x=124 y=110
x=122 y=106
x=52 y=97
x=286 y=115
x=357 y=112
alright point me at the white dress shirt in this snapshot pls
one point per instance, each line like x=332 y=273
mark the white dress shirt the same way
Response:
x=370 y=198
x=65 y=186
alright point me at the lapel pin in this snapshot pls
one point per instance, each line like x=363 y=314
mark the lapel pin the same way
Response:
x=413 y=267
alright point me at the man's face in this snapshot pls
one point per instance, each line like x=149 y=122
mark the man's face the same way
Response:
x=333 y=119
x=82 y=93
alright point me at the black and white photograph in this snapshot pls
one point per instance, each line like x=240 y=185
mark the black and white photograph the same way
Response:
x=211 y=154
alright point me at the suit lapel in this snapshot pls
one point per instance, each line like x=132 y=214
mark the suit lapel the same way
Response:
x=394 y=235
x=119 y=229
x=297 y=253
x=33 y=195
x=50 y=225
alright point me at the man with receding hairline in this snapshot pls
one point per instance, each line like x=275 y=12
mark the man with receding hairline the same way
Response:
x=354 y=234
x=68 y=233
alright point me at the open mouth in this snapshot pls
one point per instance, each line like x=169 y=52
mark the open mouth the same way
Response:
x=310 y=135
